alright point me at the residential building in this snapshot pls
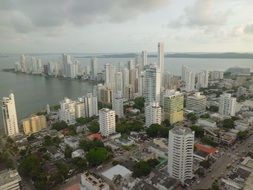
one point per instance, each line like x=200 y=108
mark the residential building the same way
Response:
x=153 y=114
x=180 y=153
x=94 y=69
x=216 y=75
x=118 y=106
x=79 y=109
x=227 y=105
x=91 y=105
x=67 y=111
x=161 y=61
x=202 y=79
x=188 y=77
x=107 y=123
x=10 y=116
x=92 y=182
x=173 y=105
x=34 y=124
x=10 y=180
x=152 y=86
x=196 y=103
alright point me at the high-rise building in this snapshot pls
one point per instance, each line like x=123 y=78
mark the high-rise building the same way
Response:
x=91 y=105
x=107 y=123
x=23 y=63
x=216 y=75
x=227 y=105
x=173 y=106
x=180 y=153
x=144 y=60
x=10 y=116
x=119 y=83
x=34 y=124
x=202 y=79
x=196 y=103
x=118 y=106
x=152 y=85
x=141 y=83
x=153 y=114
x=161 y=61
x=130 y=65
x=67 y=111
x=110 y=71
x=188 y=77
x=94 y=70
x=10 y=180
x=80 y=109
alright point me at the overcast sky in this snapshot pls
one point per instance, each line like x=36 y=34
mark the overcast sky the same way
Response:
x=106 y=26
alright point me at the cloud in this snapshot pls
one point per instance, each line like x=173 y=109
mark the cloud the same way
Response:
x=203 y=13
x=29 y=15
x=248 y=29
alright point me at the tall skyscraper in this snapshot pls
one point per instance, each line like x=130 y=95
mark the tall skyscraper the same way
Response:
x=110 y=76
x=202 y=79
x=152 y=85
x=161 y=61
x=91 y=105
x=94 y=70
x=188 y=77
x=180 y=153
x=173 y=106
x=144 y=60
x=153 y=114
x=119 y=83
x=10 y=116
x=107 y=123
x=227 y=105
x=118 y=106
x=67 y=111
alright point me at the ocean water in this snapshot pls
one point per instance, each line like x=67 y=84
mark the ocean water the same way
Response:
x=32 y=93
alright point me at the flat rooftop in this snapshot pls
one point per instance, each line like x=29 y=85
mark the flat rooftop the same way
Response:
x=116 y=170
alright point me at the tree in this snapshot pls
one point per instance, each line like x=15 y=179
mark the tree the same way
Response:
x=80 y=163
x=59 y=125
x=141 y=168
x=87 y=145
x=205 y=163
x=156 y=130
x=63 y=169
x=228 y=123
x=199 y=131
x=94 y=127
x=97 y=156
x=82 y=120
x=47 y=140
x=242 y=134
x=139 y=103
x=205 y=116
x=192 y=117
x=68 y=151
x=208 y=141
x=215 y=185
x=31 y=138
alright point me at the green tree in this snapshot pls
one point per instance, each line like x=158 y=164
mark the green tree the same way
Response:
x=242 y=134
x=213 y=108
x=59 y=125
x=86 y=145
x=63 y=169
x=93 y=127
x=192 y=117
x=141 y=168
x=97 y=156
x=139 y=103
x=80 y=163
x=205 y=116
x=47 y=140
x=156 y=130
x=199 y=131
x=228 y=123
x=68 y=151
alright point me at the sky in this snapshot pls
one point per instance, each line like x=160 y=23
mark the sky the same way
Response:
x=122 y=26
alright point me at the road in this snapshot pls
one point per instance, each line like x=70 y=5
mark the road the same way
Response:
x=219 y=168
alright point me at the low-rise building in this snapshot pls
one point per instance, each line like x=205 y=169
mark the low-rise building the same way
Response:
x=10 y=180
x=92 y=182
x=72 y=142
x=34 y=124
x=79 y=153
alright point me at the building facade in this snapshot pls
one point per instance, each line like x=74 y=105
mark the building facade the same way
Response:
x=196 y=103
x=107 y=123
x=153 y=114
x=227 y=105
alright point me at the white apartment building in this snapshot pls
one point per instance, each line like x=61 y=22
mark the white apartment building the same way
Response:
x=67 y=111
x=10 y=180
x=118 y=106
x=216 y=75
x=196 y=103
x=92 y=182
x=180 y=153
x=188 y=77
x=202 y=79
x=107 y=123
x=10 y=116
x=161 y=61
x=153 y=114
x=79 y=109
x=227 y=105
x=152 y=84
x=91 y=105
x=94 y=69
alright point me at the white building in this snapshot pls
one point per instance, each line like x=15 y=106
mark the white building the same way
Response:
x=180 y=154
x=152 y=87
x=10 y=180
x=144 y=60
x=153 y=114
x=188 y=77
x=79 y=109
x=227 y=105
x=67 y=111
x=161 y=61
x=94 y=69
x=10 y=116
x=216 y=75
x=110 y=76
x=202 y=79
x=196 y=103
x=92 y=182
x=91 y=105
x=119 y=83
x=118 y=106
x=107 y=123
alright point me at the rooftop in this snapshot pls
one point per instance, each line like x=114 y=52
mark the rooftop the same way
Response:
x=116 y=170
x=181 y=130
x=8 y=176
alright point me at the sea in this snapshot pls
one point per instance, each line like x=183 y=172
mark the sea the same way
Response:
x=33 y=93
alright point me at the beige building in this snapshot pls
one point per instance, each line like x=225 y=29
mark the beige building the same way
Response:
x=173 y=105
x=34 y=124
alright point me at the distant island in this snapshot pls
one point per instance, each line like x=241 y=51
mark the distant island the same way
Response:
x=181 y=55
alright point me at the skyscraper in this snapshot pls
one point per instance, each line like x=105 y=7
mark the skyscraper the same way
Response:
x=196 y=103
x=161 y=60
x=10 y=116
x=152 y=86
x=118 y=106
x=153 y=114
x=180 y=153
x=227 y=105
x=188 y=77
x=173 y=105
x=93 y=66
x=202 y=79
x=144 y=60
x=119 y=83
x=107 y=123
x=91 y=105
